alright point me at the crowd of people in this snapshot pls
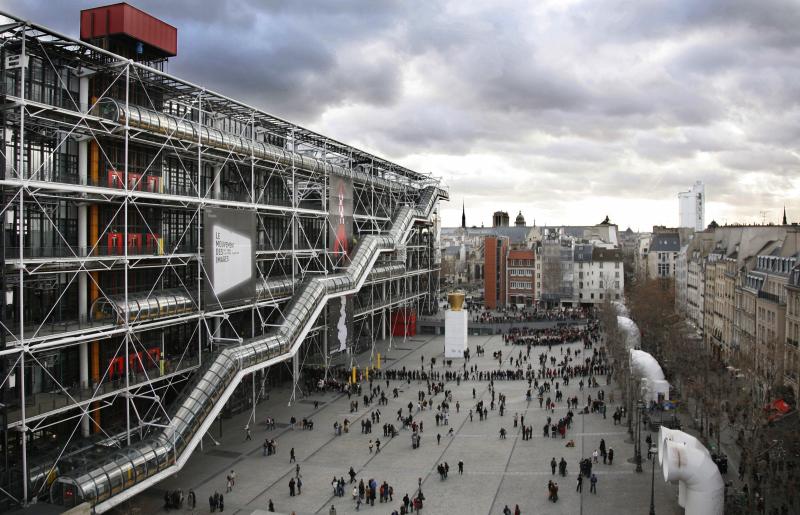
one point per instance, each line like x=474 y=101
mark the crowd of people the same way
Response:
x=544 y=361
x=531 y=314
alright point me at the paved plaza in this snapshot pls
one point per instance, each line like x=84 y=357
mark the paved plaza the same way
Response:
x=496 y=472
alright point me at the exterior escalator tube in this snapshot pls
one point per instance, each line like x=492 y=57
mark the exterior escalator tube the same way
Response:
x=177 y=127
x=107 y=484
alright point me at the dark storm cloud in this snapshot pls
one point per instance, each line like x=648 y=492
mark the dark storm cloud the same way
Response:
x=537 y=106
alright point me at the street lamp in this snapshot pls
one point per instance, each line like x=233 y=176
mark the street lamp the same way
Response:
x=629 y=406
x=653 y=486
x=639 y=408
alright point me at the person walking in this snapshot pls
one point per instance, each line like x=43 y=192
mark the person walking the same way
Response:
x=553 y=465
x=247 y=435
x=438 y=438
x=299 y=486
x=370 y=446
x=579 y=488
x=593 y=484
x=192 y=499
x=332 y=511
x=460 y=468
x=271 y=507
x=291 y=456
x=221 y=502
x=291 y=487
x=610 y=456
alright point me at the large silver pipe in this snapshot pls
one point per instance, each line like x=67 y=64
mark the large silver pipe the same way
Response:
x=145 y=463
x=176 y=127
x=163 y=303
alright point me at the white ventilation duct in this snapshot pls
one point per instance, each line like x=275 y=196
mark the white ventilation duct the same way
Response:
x=633 y=339
x=684 y=459
x=680 y=437
x=645 y=367
x=621 y=308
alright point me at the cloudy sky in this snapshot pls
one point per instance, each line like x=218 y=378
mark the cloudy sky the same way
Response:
x=568 y=110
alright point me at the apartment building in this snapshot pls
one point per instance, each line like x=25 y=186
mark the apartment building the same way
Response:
x=599 y=274
x=740 y=289
x=791 y=368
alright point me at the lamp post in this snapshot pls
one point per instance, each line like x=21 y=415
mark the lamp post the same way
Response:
x=629 y=404
x=653 y=486
x=638 y=437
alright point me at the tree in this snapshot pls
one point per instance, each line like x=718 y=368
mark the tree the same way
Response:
x=652 y=307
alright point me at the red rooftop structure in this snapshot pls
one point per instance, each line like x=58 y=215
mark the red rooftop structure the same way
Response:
x=120 y=27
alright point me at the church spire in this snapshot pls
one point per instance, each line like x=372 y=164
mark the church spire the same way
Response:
x=784 y=216
x=463 y=216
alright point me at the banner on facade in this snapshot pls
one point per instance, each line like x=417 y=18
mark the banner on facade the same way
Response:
x=340 y=324
x=229 y=255
x=340 y=220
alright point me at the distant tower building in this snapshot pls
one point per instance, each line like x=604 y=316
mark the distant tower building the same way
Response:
x=785 y=221
x=463 y=216
x=500 y=219
x=520 y=221
x=692 y=207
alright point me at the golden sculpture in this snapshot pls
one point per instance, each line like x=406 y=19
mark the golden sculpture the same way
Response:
x=456 y=300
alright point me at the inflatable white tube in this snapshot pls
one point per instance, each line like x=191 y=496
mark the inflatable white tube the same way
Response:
x=633 y=338
x=693 y=466
x=645 y=367
x=666 y=434
x=621 y=308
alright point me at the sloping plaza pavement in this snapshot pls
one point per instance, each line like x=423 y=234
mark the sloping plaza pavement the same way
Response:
x=497 y=472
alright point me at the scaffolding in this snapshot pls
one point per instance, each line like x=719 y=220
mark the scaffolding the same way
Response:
x=109 y=167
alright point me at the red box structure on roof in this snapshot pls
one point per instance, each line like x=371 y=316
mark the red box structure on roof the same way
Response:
x=125 y=20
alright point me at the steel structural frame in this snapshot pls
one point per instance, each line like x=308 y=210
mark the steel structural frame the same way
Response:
x=28 y=114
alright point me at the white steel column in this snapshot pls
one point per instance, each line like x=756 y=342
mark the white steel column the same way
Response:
x=253 y=380
x=325 y=359
x=217 y=182
x=127 y=266
x=201 y=321
x=384 y=301
x=83 y=288
x=295 y=375
x=21 y=225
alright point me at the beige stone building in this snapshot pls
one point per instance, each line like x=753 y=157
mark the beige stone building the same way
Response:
x=742 y=291
x=791 y=370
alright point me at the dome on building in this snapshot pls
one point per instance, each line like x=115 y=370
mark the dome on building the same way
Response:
x=520 y=221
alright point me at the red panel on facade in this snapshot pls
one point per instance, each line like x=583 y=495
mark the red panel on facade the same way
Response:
x=124 y=19
x=404 y=322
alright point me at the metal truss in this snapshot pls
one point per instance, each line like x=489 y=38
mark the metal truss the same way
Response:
x=154 y=187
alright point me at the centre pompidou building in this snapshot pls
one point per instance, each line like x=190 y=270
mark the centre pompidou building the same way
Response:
x=164 y=247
